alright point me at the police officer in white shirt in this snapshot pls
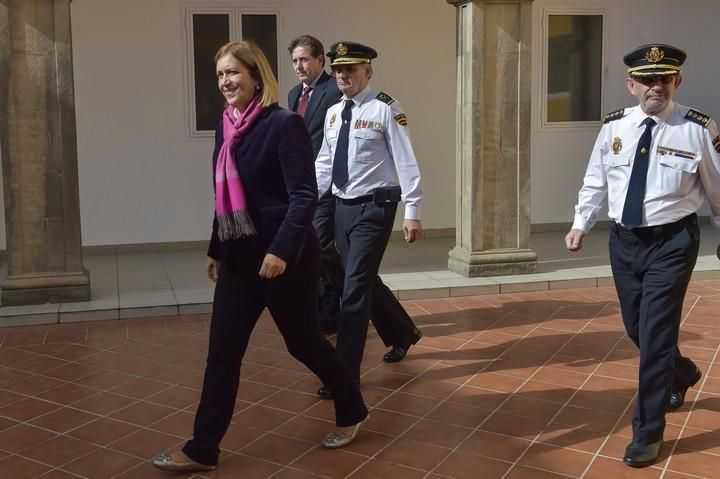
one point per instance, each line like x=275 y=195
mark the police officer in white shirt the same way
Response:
x=367 y=159
x=656 y=162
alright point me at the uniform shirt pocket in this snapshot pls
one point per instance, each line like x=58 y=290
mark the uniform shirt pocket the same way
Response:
x=617 y=172
x=331 y=136
x=676 y=173
x=368 y=134
x=367 y=142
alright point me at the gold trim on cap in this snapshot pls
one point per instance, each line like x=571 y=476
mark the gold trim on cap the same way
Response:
x=674 y=68
x=655 y=74
x=349 y=60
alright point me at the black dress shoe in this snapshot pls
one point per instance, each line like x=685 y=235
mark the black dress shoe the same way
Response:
x=398 y=353
x=324 y=393
x=677 y=398
x=640 y=455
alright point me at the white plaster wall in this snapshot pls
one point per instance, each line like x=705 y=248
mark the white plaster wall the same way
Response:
x=559 y=158
x=143 y=181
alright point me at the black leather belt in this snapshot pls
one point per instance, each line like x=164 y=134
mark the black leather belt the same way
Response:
x=355 y=201
x=660 y=231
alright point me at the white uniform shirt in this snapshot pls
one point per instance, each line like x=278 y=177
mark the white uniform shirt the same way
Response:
x=684 y=168
x=379 y=151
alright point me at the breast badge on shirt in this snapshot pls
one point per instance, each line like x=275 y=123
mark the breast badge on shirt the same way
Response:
x=616 y=145
x=332 y=120
x=666 y=150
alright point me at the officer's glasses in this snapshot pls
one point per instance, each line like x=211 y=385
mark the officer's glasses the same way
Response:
x=651 y=80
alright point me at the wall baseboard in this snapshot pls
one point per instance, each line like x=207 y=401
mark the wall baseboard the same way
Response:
x=600 y=225
x=134 y=248
x=427 y=233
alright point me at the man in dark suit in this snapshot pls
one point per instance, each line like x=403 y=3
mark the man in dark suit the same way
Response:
x=311 y=98
x=308 y=58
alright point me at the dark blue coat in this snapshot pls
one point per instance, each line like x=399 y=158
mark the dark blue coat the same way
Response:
x=277 y=168
x=324 y=95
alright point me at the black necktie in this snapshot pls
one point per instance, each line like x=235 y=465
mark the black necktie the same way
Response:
x=633 y=209
x=340 y=162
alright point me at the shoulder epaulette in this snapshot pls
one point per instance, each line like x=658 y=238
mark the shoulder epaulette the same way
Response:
x=615 y=115
x=697 y=117
x=385 y=98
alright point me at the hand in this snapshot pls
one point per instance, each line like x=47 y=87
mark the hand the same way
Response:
x=412 y=229
x=717 y=252
x=272 y=267
x=573 y=240
x=212 y=266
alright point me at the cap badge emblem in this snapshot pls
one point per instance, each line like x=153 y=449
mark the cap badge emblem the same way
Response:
x=654 y=55
x=616 y=145
x=341 y=49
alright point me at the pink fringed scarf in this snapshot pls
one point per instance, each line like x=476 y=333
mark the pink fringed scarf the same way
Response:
x=230 y=206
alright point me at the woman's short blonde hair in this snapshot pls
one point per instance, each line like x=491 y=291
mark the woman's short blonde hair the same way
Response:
x=254 y=60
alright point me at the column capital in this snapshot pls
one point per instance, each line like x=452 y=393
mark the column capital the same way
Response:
x=460 y=3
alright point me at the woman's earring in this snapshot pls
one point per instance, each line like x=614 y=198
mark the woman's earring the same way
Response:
x=257 y=87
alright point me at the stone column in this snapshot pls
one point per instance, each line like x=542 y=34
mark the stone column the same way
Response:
x=39 y=155
x=493 y=138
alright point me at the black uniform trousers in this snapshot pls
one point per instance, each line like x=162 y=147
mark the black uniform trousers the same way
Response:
x=240 y=297
x=383 y=303
x=362 y=232
x=652 y=267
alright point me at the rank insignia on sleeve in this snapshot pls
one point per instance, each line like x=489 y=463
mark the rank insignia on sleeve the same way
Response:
x=697 y=117
x=385 y=98
x=616 y=145
x=716 y=143
x=401 y=119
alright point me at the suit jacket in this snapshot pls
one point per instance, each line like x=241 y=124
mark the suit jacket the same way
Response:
x=324 y=95
x=277 y=169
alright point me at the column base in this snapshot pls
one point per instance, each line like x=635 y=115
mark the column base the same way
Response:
x=497 y=262
x=43 y=288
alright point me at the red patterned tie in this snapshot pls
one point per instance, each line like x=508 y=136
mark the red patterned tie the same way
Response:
x=303 y=102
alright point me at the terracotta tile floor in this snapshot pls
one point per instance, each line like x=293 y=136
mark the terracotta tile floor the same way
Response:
x=518 y=386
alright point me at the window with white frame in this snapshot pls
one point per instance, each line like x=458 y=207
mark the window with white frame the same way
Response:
x=573 y=68
x=208 y=29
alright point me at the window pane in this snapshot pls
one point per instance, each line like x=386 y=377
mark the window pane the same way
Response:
x=574 y=67
x=262 y=30
x=210 y=32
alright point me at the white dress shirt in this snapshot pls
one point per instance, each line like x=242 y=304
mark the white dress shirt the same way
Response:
x=684 y=168
x=312 y=85
x=379 y=152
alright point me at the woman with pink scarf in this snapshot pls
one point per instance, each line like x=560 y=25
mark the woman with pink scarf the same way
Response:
x=263 y=253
